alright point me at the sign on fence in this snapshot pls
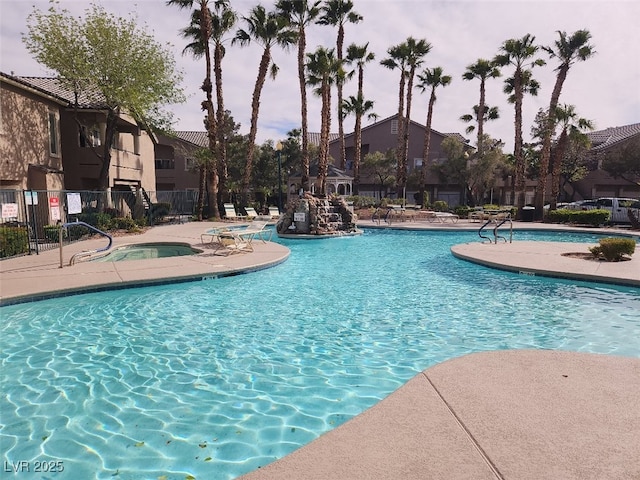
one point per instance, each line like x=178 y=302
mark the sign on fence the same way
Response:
x=9 y=210
x=74 y=204
x=54 y=208
x=31 y=198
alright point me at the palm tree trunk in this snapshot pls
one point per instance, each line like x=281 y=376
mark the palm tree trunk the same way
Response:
x=480 y=118
x=557 y=168
x=324 y=138
x=339 y=82
x=426 y=148
x=221 y=145
x=302 y=45
x=399 y=143
x=210 y=120
x=545 y=155
x=519 y=184
x=255 y=108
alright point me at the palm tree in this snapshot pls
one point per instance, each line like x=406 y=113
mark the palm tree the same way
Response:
x=268 y=30
x=519 y=52
x=567 y=49
x=323 y=70
x=432 y=79
x=357 y=105
x=223 y=19
x=300 y=14
x=397 y=59
x=200 y=31
x=481 y=70
x=572 y=127
x=337 y=13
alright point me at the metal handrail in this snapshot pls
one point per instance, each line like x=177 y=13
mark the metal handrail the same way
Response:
x=496 y=236
x=495 y=229
x=90 y=227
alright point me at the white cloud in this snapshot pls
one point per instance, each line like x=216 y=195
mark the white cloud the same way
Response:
x=603 y=89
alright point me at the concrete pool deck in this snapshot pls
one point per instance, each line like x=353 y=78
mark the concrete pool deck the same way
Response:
x=496 y=415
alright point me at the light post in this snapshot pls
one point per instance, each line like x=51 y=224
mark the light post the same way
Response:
x=279 y=150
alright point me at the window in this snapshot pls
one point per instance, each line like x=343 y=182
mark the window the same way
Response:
x=54 y=138
x=165 y=164
x=417 y=162
x=394 y=127
x=190 y=164
x=89 y=136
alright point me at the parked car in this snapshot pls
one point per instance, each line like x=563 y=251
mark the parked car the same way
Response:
x=582 y=205
x=618 y=208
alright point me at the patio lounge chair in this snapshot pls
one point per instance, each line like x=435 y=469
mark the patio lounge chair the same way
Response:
x=230 y=213
x=274 y=212
x=251 y=213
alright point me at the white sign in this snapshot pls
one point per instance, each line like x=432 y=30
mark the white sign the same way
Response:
x=299 y=216
x=31 y=198
x=9 y=210
x=74 y=204
x=54 y=208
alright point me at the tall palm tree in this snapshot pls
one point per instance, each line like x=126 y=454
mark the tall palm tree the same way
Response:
x=481 y=70
x=223 y=19
x=429 y=79
x=323 y=70
x=268 y=30
x=338 y=13
x=417 y=49
x=519 y=53
x=568 y=49
x=301 y=13
x=359 y=107
x=398 y=60
x=572 y=127
x=360 y=56
x=200 y=31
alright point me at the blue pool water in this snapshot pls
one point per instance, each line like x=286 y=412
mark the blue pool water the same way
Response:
x=146 y=251
x=216 y=378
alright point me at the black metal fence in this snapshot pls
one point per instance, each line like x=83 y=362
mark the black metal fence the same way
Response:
x=31 y=219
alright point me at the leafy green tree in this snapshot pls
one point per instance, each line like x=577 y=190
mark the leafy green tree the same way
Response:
x=112 y=57
x=300 y=14
x=338 y=13
x=519 y=53
x=268 y=29
x=624 y=161
x=571 y=129
x=568 y=49
x=381 y=166
x=429 y=79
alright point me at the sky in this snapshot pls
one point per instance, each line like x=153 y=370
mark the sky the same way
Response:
x=604 y=89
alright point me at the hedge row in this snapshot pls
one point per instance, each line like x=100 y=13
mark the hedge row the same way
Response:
x=581 y=217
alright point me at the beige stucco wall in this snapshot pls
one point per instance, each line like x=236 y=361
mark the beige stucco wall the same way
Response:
x=24 y=136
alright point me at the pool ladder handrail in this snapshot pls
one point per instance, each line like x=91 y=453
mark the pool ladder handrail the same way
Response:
x=498 y=223
x=86 y=253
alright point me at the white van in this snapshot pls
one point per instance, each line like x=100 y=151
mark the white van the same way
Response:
x=618 y=208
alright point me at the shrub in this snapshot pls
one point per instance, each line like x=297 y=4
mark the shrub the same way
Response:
x=440 y=206
x=52 y=233
x=360 y=201
x=614 y=249
x=13 y=241
x=581 y=217
x=462 y=211
x=125 y=223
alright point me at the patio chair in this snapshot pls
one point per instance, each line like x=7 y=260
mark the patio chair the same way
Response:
x=251 y=213
x=274 y=212
x=230 y=213
x=231 y=242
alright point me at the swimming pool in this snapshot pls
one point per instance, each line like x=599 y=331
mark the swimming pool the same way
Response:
x=146 y=251
x=216 y=378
